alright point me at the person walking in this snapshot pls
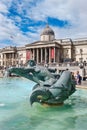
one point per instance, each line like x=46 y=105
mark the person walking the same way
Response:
x=78 y=78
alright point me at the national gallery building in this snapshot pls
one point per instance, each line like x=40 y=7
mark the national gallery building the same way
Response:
x=47 y=50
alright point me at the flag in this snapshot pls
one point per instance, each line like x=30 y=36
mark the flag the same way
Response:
x=52 y=53
x=27 y=55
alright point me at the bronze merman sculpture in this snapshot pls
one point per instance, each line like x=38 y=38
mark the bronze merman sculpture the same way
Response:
x=50 y=88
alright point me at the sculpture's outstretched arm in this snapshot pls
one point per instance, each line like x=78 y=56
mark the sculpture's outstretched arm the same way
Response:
x=35 y=74
x=24 y=72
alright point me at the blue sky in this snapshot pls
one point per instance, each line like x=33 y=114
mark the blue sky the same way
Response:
x=22 y=21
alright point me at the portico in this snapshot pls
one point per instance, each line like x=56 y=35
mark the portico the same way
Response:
x=43 y=53
x=46 y=50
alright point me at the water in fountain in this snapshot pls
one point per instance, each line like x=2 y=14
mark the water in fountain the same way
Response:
x=17 y=114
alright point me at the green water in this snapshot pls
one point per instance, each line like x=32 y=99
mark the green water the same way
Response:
x=17 y=114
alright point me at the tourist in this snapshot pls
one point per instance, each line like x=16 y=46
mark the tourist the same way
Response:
x=78 y=78
x=73 y=76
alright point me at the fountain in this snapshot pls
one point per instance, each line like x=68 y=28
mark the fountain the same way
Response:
x=50 y=88
x=16 y=113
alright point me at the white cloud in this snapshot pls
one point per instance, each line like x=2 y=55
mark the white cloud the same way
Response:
x=3 y=8
x=8 y=31
x=74 y=11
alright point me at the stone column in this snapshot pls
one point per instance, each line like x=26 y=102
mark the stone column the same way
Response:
x=54 y=55
x=30 y=54
x=49 y=55
x=58 y=55
x=37 y=55
x=2 y=60
x=45 y=55
x=69 y=53
x=33 y=54
x=13 y=59
x=41 y=55
x=5 y=59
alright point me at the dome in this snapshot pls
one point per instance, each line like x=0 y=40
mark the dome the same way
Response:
x=47 y=31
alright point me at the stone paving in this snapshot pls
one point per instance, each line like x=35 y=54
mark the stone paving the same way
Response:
x=83 y=85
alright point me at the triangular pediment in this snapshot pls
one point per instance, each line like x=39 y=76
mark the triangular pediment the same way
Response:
x=39 y=43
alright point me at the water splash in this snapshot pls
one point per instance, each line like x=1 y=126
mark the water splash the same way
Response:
x=2 y=104
x=6 y=73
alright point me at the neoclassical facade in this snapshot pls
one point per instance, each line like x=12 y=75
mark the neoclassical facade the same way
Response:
x=46 y=50
x=49 y=49
x=12 y=56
